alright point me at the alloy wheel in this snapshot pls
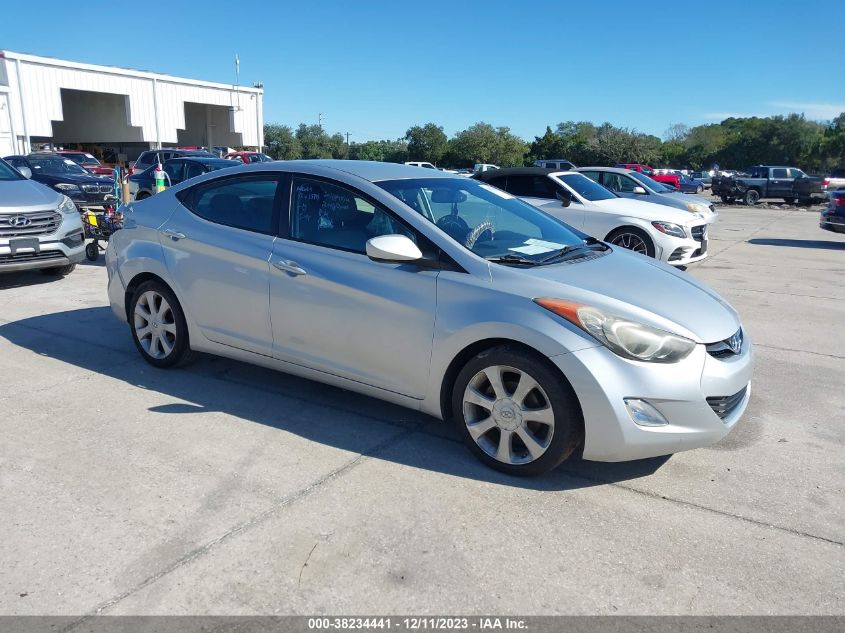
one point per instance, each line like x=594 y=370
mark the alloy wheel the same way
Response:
x=508 y=414
x=632 y=242
x=155 y=324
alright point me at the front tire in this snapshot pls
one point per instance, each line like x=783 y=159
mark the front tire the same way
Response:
x=515 y=411
x=699 y=189
x=59 y=271
x=158 y=325
x=633 y=239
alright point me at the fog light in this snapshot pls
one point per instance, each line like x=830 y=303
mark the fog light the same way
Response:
x=643 y=413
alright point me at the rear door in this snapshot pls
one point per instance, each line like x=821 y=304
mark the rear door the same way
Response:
x=541 y=192
x=217 y=247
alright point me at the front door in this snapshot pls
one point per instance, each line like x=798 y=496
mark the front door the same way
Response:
x=217 y=245
x=335 y=310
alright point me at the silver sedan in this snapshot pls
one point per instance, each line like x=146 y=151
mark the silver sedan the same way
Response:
x=439 y=293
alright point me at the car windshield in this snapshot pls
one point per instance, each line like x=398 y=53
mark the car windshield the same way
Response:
x=586 y=188
x=648 y=182
x=55 y=165
x=487 y=221
x=8 y=173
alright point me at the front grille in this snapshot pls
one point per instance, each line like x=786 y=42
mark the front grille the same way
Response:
x=698 y=232
x=729 y=347
x=723 y=406
x=29 y=224
x=106 y=188
x=28 y=257
x=91 y=188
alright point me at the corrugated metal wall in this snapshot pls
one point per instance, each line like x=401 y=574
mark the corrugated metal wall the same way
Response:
x=42 y=80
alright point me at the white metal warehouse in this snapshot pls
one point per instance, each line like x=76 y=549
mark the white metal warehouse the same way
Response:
x=68 y=104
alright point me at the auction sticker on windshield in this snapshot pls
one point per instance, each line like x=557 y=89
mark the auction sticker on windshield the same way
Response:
x=535 y=247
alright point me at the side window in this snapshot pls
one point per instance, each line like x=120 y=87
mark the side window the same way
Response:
x=176 y=170
x=543 y=188
x=779 y=173
x=521 y=186
x=330 y=215
x=192 y=170
x=796 y=173
x=17 y=162
x=244 y=203
x=500 y=182
x=594 y=176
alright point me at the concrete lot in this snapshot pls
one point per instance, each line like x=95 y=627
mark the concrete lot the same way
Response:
x=222 y=488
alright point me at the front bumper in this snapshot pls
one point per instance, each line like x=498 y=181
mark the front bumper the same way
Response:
x=680 y=251
x=85 y=200
x=51 y=254
x=679 y=391
x=832 y=223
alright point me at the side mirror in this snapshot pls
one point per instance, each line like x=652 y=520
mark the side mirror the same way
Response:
x=564 y=197
x=393 y=248
x=26 y=172
x=640 y=191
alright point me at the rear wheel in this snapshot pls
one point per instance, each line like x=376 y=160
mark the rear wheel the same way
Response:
x=516 y=413
x=59 y=271
x=633 y=239
x=92 y=251
x=699 y=189
x=752 y=197
x=142 y=196
x=158 y=324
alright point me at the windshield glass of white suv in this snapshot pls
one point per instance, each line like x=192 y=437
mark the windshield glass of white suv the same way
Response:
x=56 y=166
x=489 y=222
x=586 y=188
x=7 y=173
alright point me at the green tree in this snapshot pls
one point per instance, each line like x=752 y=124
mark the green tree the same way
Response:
x=427 y=142
x=483 y=143
x=280 y=142
x=314 y=141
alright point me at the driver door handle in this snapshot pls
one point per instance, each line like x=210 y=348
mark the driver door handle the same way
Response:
x=174 y=235
x=289 y=266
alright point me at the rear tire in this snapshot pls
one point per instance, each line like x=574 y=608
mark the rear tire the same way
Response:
x=59 y=271
x=515 y=411
x=633 y=239
x=158 y=326
x=92 y=252
x=699 y=189
x=142 y=196
x=752 y=197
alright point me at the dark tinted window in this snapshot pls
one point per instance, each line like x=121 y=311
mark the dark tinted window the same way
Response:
x=176 y=170
x=7 y=173
x=501 y=182
x=779 y=172
x=192 y=170
x=245 y=203
x=329 y=215
x=531 y=187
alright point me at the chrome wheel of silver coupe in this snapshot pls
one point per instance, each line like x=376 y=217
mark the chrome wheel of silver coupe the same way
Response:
x=516 y=413
x=158 y=325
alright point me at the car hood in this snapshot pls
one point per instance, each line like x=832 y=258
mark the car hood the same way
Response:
x=685 y=197
x=632 y=286
x=76 y=179
x=26 y=195
x=648 y=210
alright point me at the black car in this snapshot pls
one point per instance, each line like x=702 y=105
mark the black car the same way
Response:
x=154 y=157
x=65 y=176
x=833 y=218
x=142 y=185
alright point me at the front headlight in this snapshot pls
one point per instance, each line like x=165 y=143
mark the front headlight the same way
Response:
x=67 y=206
x=66 y=186
x=626 y=338
x=675 y=230
x=695 y=207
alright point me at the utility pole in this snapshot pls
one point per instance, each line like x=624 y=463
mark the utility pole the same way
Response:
x=320 y=120
x=347 y=139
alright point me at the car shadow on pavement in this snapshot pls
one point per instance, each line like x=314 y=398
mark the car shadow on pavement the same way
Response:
x=822 y=244
x=28 y=278
x=314 y=411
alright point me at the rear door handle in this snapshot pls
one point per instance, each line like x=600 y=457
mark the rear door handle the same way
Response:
x=289 y=267
x=174 y=235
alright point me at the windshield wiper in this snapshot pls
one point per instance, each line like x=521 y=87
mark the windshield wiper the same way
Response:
x=512 y=259
x=566 y=250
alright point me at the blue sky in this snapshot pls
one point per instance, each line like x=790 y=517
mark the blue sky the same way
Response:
x=375 y=68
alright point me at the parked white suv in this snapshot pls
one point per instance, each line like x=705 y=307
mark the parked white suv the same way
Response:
x=39 y=228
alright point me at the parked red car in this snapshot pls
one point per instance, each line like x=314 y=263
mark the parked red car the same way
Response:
x=248 y=157
x=672 y=180
x=88 y=162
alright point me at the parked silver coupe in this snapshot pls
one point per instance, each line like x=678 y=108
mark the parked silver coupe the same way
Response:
x=439 y=293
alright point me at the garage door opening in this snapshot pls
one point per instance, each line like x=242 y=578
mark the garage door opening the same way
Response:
x=208 y=125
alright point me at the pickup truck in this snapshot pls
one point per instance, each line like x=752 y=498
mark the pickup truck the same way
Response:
x=764 y=181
